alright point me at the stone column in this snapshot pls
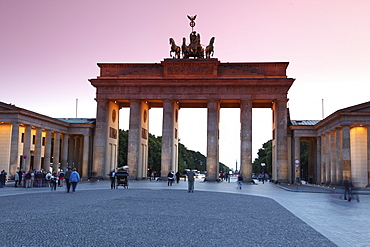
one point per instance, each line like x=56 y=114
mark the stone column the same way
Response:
x=38 y=147
x=368 y=155
x=280 y=147
x=65 y=152
x=76 y=152
x=85 y=156
x=56 y=151
x=311 y=170
x=327 y=158
x=213 y=119
x=346 y=152
x=14 y=148
x=71 y=150
x=333 y=157
x=134 y=136
x=169 y=137
x=323 y=159
x=27 y=147
x=297 y=157
x=339 y=163
x=47 y=151
x=318 y=160
x=246 y=140
x=101 y=137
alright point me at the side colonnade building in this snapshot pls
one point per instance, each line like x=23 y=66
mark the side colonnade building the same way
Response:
x=339 y=147
x=31 y=141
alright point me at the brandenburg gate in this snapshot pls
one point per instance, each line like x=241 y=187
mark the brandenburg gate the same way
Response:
x=193 y=81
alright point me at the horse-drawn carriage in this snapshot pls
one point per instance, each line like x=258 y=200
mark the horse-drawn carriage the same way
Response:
x=122 y=178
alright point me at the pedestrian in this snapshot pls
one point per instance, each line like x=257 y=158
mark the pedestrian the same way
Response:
x=54 y=181
x=2 y=178
x=16 y=179
x=66 y=177
x=61 y=178
x=112 y=176
x=170 y=178
x=240 y=182
x=28 y=179
x=48 y=178
x=177 y=177
x=74 y=178
x=191 y=178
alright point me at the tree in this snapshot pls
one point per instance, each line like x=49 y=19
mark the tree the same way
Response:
x=264 y=156
x=186 y=158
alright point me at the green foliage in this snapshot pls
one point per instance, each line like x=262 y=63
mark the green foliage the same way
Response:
x=264 y=156
x=304 y=159
x=122 y=148
x=186 y=158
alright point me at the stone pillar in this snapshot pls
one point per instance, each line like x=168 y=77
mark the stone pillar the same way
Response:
x=101 y=137
x=246 y=140
x=368 y=155
x=65 y=152
x=38 y=147
x=323 y=159
x=318 y=160
x=346 y=152
x=169 y=137
x=47 y=151
x=339 y=154
x=27 y=147
x=311 y=170
x=137 y=156
x=213 y=119
x=85 y=156
x=76 y=152
x=71 y=150
x=327 y=158
x=14 y=148
x=56 y=151
x=280 y=147
x=333 y=158
x=297 y=157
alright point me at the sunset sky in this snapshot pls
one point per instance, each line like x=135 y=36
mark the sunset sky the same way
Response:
x=49 y=49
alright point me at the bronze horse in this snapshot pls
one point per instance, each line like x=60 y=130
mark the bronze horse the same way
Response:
x=174 y=48
x=209 y=48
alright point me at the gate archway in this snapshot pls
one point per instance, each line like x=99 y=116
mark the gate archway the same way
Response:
x=188 y=83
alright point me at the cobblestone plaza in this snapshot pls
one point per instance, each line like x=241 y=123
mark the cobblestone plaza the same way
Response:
x=153 y=214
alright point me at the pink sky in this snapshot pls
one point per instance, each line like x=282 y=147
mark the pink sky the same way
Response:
x=49 y=50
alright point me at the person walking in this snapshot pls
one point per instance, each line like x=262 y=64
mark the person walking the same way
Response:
x=240 y=182
x=74 y=178
x=191 y=178
x=112 y=176
x=16 y=179
x=2 y=178
x=67 y=174
x=170 y=177
x=54 y=181
x=178 y=177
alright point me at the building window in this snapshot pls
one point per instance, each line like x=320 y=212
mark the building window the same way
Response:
x=33 y=139
x=22 y=138
x=43 y=140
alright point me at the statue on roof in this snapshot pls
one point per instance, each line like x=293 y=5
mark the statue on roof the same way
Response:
x=194 y=49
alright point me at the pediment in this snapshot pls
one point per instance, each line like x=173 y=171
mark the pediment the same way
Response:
x=360 y=108
x=7 y=107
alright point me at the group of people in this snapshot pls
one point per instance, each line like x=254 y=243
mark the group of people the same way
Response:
x=42 y=178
